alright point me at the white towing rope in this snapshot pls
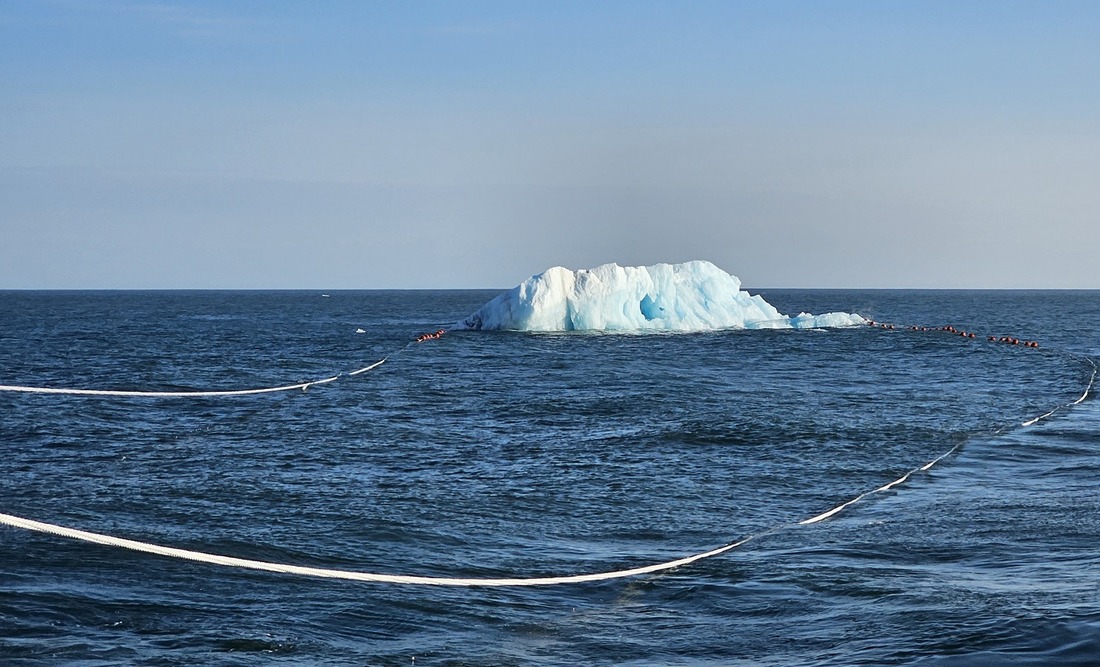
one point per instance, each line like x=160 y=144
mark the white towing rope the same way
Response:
x=230 y=561
x=184 y=394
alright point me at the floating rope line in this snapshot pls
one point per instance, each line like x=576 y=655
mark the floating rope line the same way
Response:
x=198 y=393
x=230 y=561
x=167 y=394
x=825 y=515
x=1009 y=340
x=886 y=487
x=1092 y=379
x=368 y=368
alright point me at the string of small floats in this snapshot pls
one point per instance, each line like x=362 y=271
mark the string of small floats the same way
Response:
x=1010 y=340
x=429 y=336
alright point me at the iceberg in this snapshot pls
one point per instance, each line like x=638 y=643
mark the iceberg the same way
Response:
x=693 y=296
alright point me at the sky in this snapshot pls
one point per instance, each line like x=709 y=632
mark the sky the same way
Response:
x=460 y=144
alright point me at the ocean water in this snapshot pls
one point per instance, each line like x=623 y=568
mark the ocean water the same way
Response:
x=491 y=454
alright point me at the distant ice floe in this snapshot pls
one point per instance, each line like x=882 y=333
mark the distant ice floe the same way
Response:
x=693 y=296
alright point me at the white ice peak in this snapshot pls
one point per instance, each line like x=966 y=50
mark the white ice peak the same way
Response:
x=693 y=296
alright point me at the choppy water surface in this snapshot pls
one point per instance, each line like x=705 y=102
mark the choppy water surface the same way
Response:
x=503 y=454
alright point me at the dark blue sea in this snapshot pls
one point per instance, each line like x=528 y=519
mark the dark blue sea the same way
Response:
x=492 y=454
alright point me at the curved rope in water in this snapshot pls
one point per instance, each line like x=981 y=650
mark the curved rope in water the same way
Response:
x=901 y=480
x=229 y=561
x=185 y=394
x=1092 y=380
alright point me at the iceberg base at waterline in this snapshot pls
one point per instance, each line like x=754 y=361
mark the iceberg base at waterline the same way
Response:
x=692 y=296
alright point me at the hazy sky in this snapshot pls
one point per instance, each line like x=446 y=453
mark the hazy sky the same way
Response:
x=262 y=144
